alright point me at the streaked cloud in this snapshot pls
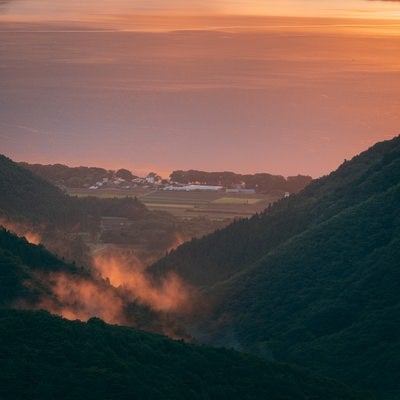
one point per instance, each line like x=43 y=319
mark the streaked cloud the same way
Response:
x=4 y=4
x=282 y=101
x=75 y=8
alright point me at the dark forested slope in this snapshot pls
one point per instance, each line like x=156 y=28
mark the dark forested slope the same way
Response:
x=328 y=298
x=19 y=261
x=63 y=175
x=31 y=206
x=315 y=279
x=33 y=278
x=27 y=197
x=46 y=357
x=218 y=256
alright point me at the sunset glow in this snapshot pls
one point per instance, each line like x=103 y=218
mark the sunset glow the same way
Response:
x=287 y=87
x=199 y=199
x=46 y=9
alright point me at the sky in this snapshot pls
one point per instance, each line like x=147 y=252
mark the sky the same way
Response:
x=279 y=86
x=336 y=8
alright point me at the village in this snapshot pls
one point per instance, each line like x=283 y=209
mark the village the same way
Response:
x=155 y=182
x=183 y=200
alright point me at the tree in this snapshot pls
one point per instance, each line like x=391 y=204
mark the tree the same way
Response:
x=124 y=174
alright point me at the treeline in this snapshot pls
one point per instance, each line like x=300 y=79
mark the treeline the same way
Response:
x=261 y=182
x=76 y=177
x=46 y=357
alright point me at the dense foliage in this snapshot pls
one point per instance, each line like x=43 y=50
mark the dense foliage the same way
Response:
x=76 y=177
x=46 y=357
x=68 y=176
x=315 y=278
x=23 y=194
x=262 y=182
x=26 y=196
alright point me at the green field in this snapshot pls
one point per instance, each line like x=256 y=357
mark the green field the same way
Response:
x=100 y=195
x=168 y=205
x=188 y=205
x=236 y=200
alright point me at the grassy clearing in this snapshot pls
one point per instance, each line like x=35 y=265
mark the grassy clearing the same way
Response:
x=169 y=200
x=100 y=195
x=168 y=205
x=236 y=200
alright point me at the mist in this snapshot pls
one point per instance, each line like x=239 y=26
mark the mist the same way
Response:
x=114 y=290
x=31 y=234
x=169 y=295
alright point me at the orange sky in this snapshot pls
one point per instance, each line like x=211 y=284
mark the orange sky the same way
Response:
x=278 y=94
x=317 y=8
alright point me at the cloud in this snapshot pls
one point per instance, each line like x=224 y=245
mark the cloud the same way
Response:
x=31 y=234
x=4 y=4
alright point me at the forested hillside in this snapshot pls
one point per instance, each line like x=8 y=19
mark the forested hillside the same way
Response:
x=33 y=207
x=46 y=357
x=63 y=175
x=32 y=200
x=19 y=261
x=25 y=195
x=218 y=256
x=313 y=280
x=33 y=278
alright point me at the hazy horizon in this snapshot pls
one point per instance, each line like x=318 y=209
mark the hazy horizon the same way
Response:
x=48 y=9
x=144 y=86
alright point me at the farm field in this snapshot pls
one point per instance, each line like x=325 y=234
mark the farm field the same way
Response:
x=237 y=200
x=187 y=205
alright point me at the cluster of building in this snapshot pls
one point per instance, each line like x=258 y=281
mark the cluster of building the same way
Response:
x=210 y=188
x=150 y=181
x=156 y=182
x=106 y=182
x=190 y=188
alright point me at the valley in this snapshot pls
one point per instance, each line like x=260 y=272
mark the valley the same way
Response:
x=199 y=200
x=308 y=281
